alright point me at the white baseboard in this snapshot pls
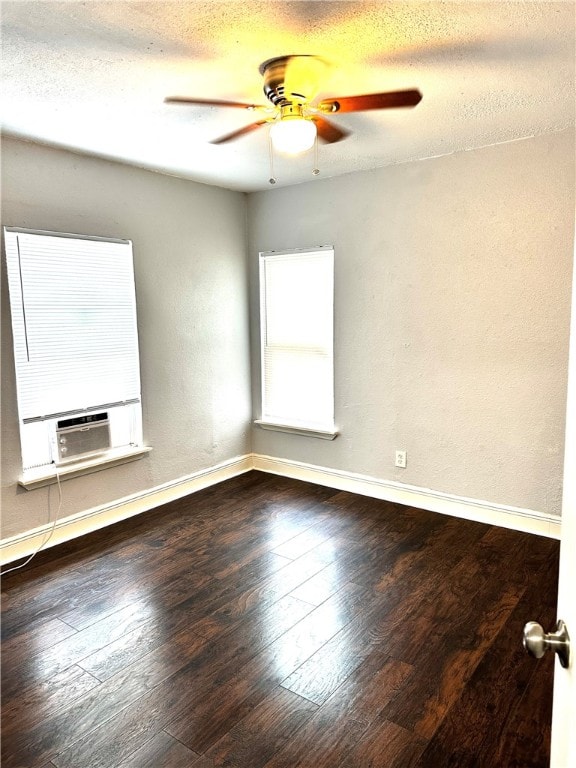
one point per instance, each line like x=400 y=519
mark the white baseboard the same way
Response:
x=92 y=519
x=526 y=520
x=518 y=519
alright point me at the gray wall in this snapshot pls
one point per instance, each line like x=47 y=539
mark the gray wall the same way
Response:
x=452 y=317
x=452 y=311
x=191 y=286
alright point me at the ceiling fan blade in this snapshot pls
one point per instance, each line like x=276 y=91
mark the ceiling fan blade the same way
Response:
x=302 y=77
x=240 y=132
x=388 y=100
x=209 y=102
x=329 y=132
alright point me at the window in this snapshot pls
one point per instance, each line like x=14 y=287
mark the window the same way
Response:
x=73 y=312
x=297 y=332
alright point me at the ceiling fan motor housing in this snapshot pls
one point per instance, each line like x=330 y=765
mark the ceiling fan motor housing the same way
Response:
x=274 y=72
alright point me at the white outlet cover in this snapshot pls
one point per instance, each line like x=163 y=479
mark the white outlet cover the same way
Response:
x=401 y=459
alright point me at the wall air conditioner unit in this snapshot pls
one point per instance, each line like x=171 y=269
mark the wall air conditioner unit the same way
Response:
x=82 y=436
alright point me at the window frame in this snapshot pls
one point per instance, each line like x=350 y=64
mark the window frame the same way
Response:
x=38 y=419
x=326 y=431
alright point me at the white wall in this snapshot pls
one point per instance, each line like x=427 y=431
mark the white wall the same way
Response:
x=452 y=317
x=192 y=296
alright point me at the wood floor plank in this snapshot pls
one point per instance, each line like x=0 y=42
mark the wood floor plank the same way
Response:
x=135 y=724
x=109 y=577
x=338 y=725
x=275 y=623
x=55 y=659
x=284 y=539
x=137 y=644
x=378 y=557
x=199 y=727
x=304 y=542
x=162 y=751
x=470 y=584
x=183 y=694
x=125 y=591
x=26 y=609
x=45 y=698
x=35 y=639
x=379 y=623
x=319 y=587
x=242 y=597
x=261 y=560
x=50 y=735
x=262 y=733
x=455 y=536
x=324 y=671
x=387 y=744
x=524 y=741
x=446 y=669
x=260 y=625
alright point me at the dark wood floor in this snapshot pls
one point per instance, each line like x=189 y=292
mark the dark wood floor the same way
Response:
x=267 y=622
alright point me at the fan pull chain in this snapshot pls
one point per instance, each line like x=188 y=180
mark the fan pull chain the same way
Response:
x=272 y=178
x=316 y=170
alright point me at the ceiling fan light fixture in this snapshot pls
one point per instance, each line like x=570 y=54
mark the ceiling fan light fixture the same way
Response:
x=293 y=135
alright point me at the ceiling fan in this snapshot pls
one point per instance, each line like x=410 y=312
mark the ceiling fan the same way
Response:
x=291 y=84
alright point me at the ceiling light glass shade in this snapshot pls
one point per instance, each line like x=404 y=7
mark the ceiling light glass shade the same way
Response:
x=293 y=135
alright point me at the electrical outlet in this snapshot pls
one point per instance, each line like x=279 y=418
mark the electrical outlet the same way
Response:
x=401 y=459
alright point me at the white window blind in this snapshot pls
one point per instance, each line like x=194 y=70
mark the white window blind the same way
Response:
x=296 y=315
x=74 y=321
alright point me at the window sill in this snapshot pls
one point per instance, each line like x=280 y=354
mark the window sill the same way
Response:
x=293 y=430
x=40 y=476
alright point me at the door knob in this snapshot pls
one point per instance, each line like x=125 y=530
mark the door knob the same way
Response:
x=537 y=642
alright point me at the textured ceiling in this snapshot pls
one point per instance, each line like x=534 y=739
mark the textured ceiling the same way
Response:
x=92 y=76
